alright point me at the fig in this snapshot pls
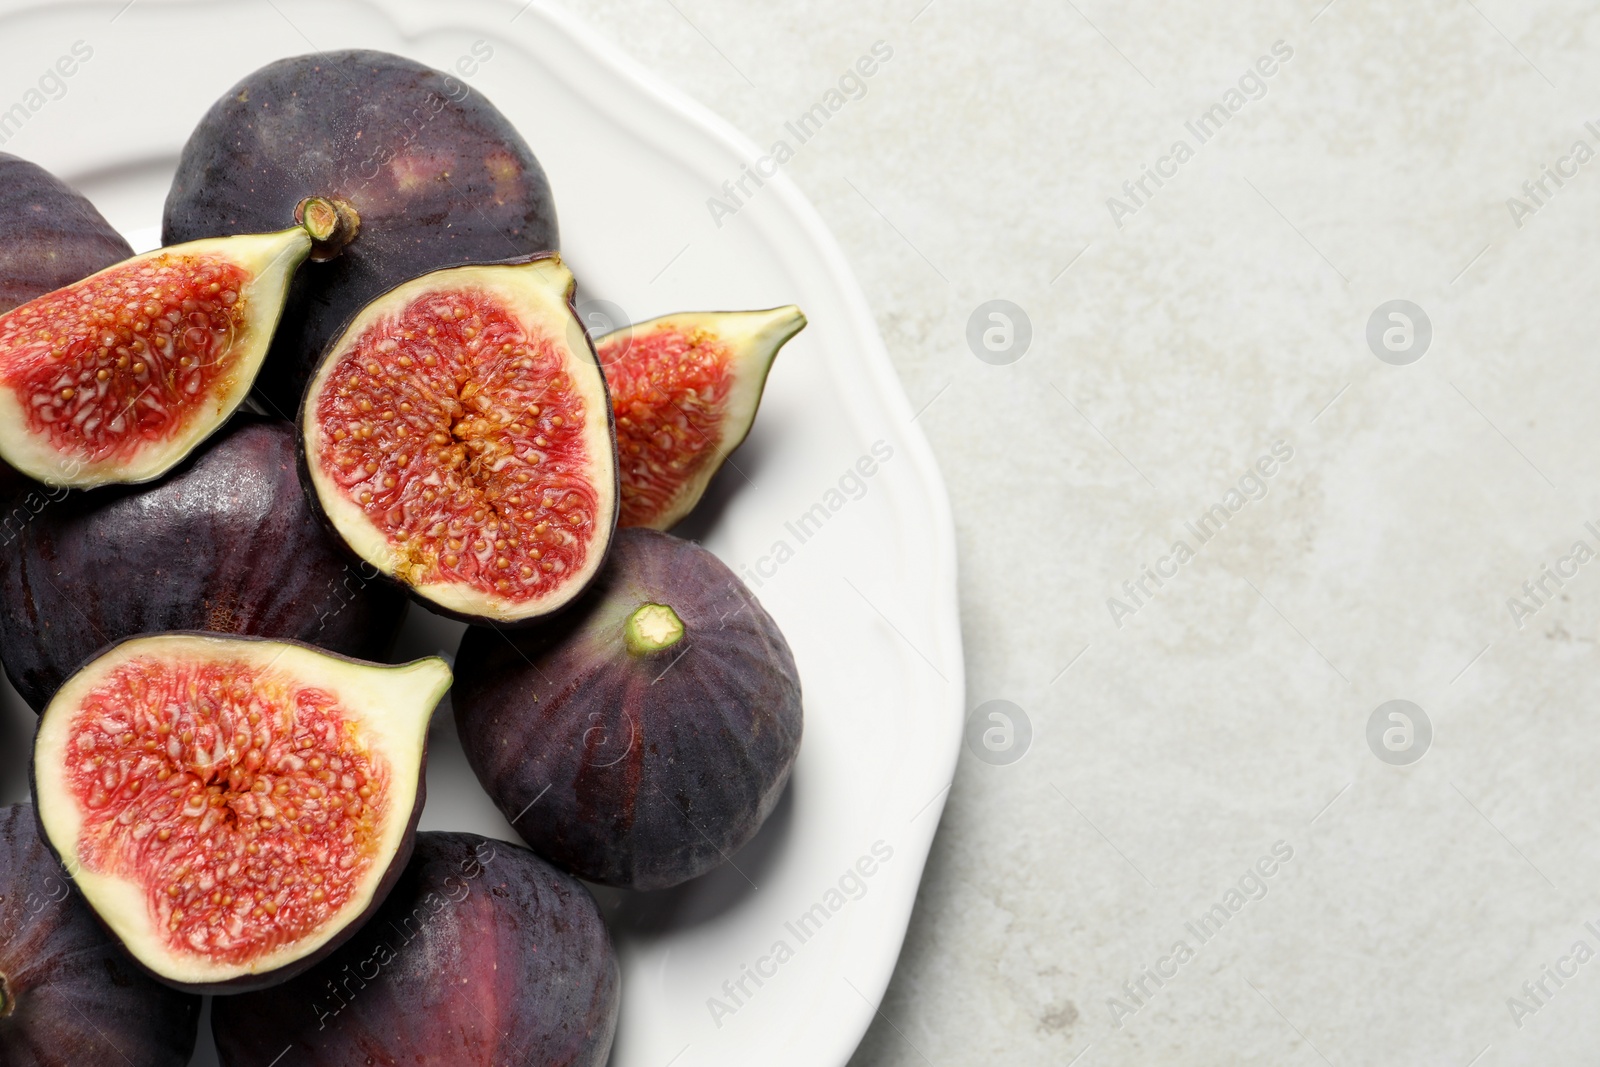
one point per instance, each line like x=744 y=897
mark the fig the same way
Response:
x=482 y=956
x=119 y=376
x=232 y=808
x=458 y=439
x=434 y=172
x=654 y=723
x=685 y=389
x=68 y=995
x=226 y=542
x=50 y=236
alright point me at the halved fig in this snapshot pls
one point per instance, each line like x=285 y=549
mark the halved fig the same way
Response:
x=483 y=956
x=458 y=438
x=68 y=995
x=232 y=808
x=117 y=377
x=50 y=236
x=436 y=174
x=685 y=389
x=226 y=542
x=644 y=736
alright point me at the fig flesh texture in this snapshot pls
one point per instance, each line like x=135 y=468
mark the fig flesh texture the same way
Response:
x=50 y=236
x=482 y=956
x=685 y=389
x=68 y=995
x=232 y=808
x=436 y=174
x=226 y=542
x=116 y=378
x=643 y=736
x=458 y=438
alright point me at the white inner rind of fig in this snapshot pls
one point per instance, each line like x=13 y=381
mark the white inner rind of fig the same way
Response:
x=458 y=438
x=382 y=712
x=92 y=360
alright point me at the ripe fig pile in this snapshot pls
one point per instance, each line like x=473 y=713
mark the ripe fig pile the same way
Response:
x=198 y=599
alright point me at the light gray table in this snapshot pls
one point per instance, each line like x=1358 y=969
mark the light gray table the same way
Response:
x=1223 y=712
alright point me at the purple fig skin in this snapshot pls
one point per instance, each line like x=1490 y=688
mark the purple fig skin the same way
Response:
x=483 y=956
x=227 y=542
x=68 y=994
x=50 y=236
x=635 y=770
x=266 y=979
x=436 y=173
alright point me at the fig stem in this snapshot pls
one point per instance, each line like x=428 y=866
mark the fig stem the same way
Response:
x=331 y=223
x=651 y=628
x=6 y=1002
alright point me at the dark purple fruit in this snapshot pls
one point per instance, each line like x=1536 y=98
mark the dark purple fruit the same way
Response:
x=436 y=174
x=482 y=956
x=646 y=733
x=227 y=542
x=68 y=994
x=50 y=236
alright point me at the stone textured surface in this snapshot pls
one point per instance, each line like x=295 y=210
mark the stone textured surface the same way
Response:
x=1227 y=312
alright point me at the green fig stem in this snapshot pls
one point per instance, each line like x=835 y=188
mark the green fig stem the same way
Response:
x=652 y=628
x=331 y=223
x=6 y=1001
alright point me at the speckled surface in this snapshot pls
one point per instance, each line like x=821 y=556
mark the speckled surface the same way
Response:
x=1228 y=713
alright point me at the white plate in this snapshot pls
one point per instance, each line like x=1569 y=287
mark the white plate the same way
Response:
x=866 y=595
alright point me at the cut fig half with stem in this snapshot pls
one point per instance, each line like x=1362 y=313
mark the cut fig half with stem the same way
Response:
x=117 y=377
x=685 y=389
x=233 y=808
x=458 y=439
